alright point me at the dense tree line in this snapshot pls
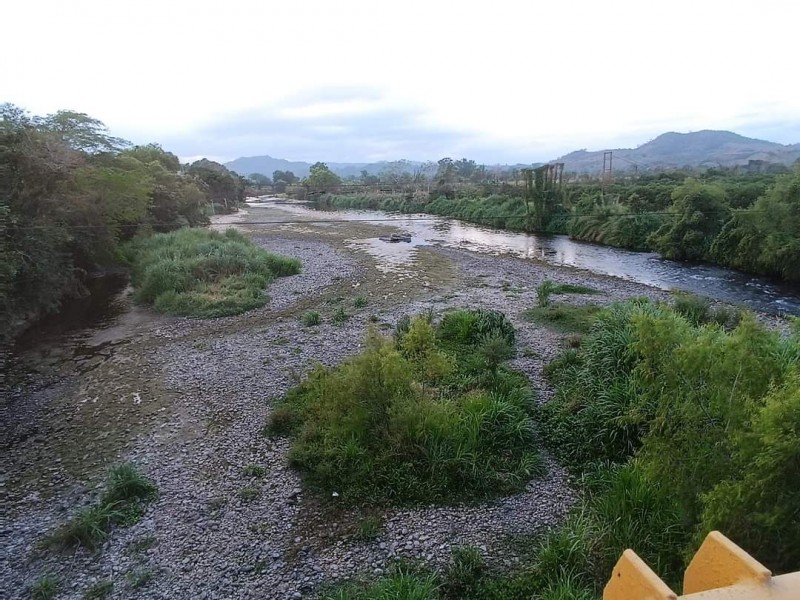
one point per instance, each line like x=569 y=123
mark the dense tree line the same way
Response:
x=749 y=223
x=70 y=193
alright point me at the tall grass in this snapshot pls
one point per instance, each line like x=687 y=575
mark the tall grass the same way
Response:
x=202 y=273
x=402 y=583
x=425 y=418
x=122 y=503
x=698 y=420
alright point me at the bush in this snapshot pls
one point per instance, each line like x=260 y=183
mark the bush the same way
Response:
x=758 y=506
x=466 y=327
x=359 y=302
x=695 y=308
x=201 y=273
x=407 y=422
x=702 y=423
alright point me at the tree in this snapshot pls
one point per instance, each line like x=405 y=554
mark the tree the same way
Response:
x=260 y=180
x=222 y=186
x=321 y=178
x=280 y=179
x=154 y=153
x=700 y=211
x=367 y=179
x=766 y=237
x=80 y=132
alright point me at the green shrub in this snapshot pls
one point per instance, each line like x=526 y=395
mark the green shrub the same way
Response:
x=359 y=302
x=311 y=318
x=403 y=422
x=403 y=323
x=702 y=423
x=44 y=588
x=201 y=273
x=466 y=327
x=695 y=308
x=757 y=507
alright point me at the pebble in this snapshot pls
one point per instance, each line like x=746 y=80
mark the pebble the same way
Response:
x=224 y=375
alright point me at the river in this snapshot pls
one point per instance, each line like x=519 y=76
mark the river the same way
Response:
x=758 y=293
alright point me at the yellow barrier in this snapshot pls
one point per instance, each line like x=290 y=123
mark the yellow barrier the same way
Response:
x=719 y=571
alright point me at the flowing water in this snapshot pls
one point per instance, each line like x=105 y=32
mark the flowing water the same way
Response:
x=758 y=293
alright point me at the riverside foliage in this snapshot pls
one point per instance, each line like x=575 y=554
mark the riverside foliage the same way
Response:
x=675 y=422
x=430 y=415
x=71 y=194
x=702 y=418
x=748 y=222
x=201 y=273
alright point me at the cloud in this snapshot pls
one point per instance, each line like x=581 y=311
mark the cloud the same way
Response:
x=336 y=124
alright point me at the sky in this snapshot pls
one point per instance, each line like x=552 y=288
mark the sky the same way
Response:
x=361 y=81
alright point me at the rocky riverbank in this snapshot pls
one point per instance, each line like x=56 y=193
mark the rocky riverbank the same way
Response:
x=187 y=401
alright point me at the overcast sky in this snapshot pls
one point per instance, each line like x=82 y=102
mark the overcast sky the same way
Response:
x=347 y=80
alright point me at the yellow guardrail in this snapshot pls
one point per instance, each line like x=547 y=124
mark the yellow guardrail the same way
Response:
x=720 y=570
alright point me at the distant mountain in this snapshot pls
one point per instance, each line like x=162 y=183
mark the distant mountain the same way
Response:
x=671 y=150
x=267 y=165
x=675 y=150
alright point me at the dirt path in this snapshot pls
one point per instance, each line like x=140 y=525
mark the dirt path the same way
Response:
x=187 y=401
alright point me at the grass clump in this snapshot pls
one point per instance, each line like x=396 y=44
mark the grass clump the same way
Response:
x=564 y=318
x=340 y=316
x=548 y=287
x=403 y=582
x=139 y=579
x=254 y=471
x=98 y=591
x=123 y=503
x=311 y=318
x=202 y=273
x=44 y=588
x=543 y=292
x=433 y=416
x=359 y=302
x=248 y=494
x=369 y=528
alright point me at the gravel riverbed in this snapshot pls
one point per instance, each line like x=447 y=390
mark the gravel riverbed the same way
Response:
x=187 y=401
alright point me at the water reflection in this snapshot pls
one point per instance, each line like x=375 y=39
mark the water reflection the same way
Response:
x=642 y=267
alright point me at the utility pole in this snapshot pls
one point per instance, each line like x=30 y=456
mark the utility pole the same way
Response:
x=608 y=171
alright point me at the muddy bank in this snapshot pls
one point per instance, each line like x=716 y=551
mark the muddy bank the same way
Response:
x=187 y=400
